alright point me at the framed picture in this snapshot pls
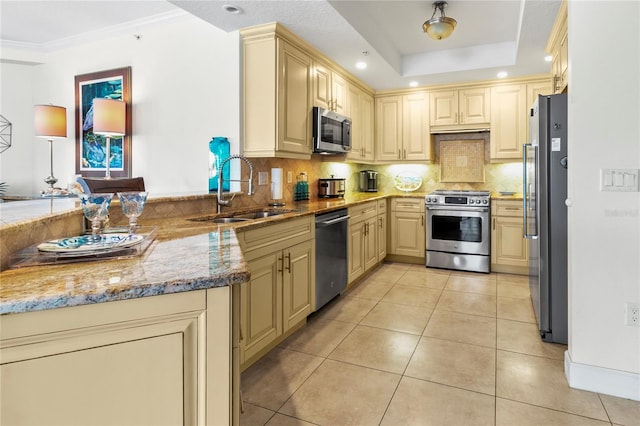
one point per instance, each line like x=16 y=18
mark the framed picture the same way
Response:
x=91 y=148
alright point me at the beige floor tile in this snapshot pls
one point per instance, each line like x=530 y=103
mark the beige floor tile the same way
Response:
x=423 y=279
x=457 y=364
x=523 y=337
x=403 y=318
x=463 y=328
x=481 y=285
x=622 y=411
x=377 y=348
x=491 y=276
x=271 y=381
x=516 y=309
x=347 y=309
x=541 y=381
x=319 y=337
x=421 y=403
x=282 y=420
x=254 y=415
x=388 y=273
x=513 y=278
x=342 y=394
x=510 y=413
x=371 y=289
x=414 y=296
x=468 y=303
x=515 y=290
x=422 y=267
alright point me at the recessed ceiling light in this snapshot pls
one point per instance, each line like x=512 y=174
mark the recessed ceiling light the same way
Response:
x=361 y=65
x=413 y=84
x=548 y=58
x=231 y=9
x=502 y=74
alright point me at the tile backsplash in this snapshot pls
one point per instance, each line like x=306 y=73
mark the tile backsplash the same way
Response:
x=498 y=177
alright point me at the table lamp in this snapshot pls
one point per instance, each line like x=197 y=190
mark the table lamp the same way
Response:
x=50 y=122
x=108 y=120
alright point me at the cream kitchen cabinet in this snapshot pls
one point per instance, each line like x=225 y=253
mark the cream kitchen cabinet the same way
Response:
x=558 y=48
x=154 y=360
x=364 y=238
x=508 y=121
x=402 y=128
x=276 y=95
x=329 y=88
x=509 y=248
x=463 y=109
x=382 y=230
x=407 y=228
x=535 y=88
x=360 y=109
x=280 y=295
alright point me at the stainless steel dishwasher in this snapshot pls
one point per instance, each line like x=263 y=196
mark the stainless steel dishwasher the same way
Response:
x=331 y=255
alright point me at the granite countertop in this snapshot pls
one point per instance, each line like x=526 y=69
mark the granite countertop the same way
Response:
x=186 y=255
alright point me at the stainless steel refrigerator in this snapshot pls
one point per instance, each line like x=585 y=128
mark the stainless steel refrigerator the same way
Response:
x=545 y=214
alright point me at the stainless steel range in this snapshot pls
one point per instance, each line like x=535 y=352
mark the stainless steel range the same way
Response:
x=458 y=235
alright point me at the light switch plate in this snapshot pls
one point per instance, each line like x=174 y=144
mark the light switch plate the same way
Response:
x=619 y=180
x=289 y=176
x=263 y=178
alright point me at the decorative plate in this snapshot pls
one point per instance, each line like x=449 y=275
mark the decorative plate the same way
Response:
x=83 y=244
x=407 y=182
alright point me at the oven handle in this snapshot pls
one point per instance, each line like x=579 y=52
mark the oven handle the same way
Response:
x=332 y=221
x=465 y=209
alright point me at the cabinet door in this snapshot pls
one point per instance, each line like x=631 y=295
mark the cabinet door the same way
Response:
x=475 y=106
x=388 y=127
x=370 y=243
x=564 y=61
x=298 y=283
x=322 y=86
x=508 y=121
x=261 y=305
x=407 y=234
x=356 y=250
x=338 y=93
x=382 y=236
x=366 y=115
x=294 y=107
x=416 y=139
x=508 y=246
x=354 y=111
x=443 y=107
x=533 y=90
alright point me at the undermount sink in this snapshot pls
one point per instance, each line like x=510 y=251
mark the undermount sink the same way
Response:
x=240 y=216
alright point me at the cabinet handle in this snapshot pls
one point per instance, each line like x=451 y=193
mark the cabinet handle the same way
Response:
x=399 y=155
x=405 y=153
x=422 y=220
x=380 y=221
x=288 y=262
x=494 y=224
x=281 y=262
x=461 y=117
x=455 y=119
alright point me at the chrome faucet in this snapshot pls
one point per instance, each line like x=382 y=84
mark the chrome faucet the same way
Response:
x=222 y=202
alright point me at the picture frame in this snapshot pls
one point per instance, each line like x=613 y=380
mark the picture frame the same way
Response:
x=91 y=148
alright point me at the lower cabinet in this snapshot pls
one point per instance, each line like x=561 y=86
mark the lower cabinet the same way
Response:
x=155 y=360
x=407 y=229
x=367 y=237
x=281 y=292
x=509 y=248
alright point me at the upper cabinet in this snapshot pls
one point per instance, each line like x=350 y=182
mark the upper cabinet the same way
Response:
x=276 y=102
x=359 y=107
x=329 y=88
x=402 y=128
x=463 y=109
x=558 y=48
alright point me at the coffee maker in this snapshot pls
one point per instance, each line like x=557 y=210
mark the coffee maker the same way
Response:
x=368 y=181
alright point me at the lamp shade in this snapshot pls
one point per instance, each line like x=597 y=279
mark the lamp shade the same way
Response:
x=109 y=117
x=439 y=28
x=50 y=121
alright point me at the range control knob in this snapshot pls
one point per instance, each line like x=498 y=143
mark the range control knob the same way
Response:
x=472 y=201
x=485 y=201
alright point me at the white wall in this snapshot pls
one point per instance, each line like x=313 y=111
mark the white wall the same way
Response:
x=604 y=227
x=185 y=85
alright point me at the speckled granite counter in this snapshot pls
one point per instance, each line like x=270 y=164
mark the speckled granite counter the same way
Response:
x=186 y=256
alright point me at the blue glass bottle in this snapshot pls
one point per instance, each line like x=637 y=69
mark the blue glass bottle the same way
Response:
x=219 y=150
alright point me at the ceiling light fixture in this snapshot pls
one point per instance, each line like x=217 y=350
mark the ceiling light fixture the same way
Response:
x=548 y=58
x=361 y=65
x=231 y=9
x=502 y=74
x=442 y=27
x=413 y=84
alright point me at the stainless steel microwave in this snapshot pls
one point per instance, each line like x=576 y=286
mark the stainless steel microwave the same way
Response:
x=331 y=132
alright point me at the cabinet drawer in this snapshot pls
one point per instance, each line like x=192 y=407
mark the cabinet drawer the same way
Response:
x=382 y=206
x=267 y=239
x=407 y=205
x=363 y=212
x=511 y=208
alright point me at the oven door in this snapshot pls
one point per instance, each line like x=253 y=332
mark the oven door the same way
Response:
x=458 y=230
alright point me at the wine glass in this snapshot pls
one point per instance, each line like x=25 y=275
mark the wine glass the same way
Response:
x=132 y=205
x=95 y=207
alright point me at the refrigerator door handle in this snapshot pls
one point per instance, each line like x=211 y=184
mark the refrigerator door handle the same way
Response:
x=526 y=199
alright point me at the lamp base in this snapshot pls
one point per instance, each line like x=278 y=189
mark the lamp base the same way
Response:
x=51 y=180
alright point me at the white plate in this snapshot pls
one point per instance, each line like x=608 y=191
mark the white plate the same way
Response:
x=82 y=244
x=407 y=182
